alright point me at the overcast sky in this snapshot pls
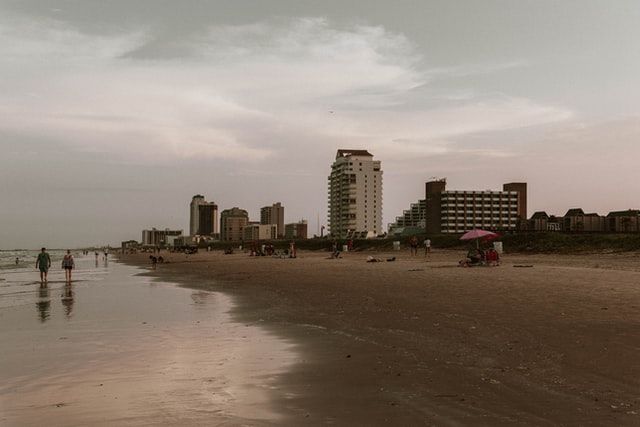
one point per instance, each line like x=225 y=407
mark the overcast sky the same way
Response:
x=114 y=113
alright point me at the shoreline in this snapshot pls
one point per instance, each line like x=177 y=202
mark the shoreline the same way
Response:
x=115 y=347
x=426 y=342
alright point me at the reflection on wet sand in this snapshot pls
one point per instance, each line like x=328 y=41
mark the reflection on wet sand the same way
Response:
x=169 y=354
x=67 y=299
x=44 y=303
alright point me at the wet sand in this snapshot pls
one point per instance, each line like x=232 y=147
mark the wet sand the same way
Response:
x=417 y=342
x=114 y=348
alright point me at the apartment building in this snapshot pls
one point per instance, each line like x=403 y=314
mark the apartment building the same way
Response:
x=355 y=195
x=461 y=211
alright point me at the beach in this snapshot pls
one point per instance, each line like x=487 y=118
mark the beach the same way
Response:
x=542 y=339
x=115 y=347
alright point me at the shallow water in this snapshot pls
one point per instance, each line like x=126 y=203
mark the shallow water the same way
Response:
x=117 y=348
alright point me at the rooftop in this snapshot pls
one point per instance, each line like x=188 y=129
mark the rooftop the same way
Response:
x=343 y=152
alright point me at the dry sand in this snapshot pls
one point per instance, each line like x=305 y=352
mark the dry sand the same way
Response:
x=416 y=342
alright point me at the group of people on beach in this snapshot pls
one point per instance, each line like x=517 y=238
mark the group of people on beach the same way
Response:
x=43 y=263
x=414 y=244
x=477 y=256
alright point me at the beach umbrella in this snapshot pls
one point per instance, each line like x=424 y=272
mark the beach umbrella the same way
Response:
x=477 y=234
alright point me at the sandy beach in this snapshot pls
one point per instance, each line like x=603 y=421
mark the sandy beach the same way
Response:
x=542 y=339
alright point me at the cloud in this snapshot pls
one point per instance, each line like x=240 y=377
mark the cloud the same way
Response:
x=246 y=93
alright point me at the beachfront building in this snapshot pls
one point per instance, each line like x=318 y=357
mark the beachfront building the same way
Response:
x=462 y=210
x=194 y=213
x=576 y=220
x=203 y=218
x=232 y=224
x=541 y=221
x=273 y=214
x=208 y=219
x=624 y=221
x=296 y=230
x=155 y=237
x=260 y=232
x=129 y=246
x=355 y=195
x=413 y=219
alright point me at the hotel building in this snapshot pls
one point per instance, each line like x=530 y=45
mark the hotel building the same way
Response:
x=355 y=195
x=461 y=211
x=203 y=217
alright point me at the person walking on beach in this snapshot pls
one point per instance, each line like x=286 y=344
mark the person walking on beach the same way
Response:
x=413 y=243
x=68 y=265
x=43 y=262
x=427 y=247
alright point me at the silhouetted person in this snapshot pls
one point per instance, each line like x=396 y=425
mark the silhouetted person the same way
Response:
x=43 y=262
x=68 y=265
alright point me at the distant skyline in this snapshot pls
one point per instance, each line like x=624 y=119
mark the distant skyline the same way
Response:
x=113 y=114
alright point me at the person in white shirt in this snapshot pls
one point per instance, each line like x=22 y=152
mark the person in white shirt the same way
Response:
x=427 y=247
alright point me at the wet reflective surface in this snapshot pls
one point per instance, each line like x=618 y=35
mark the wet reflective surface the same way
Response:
x=116 y=348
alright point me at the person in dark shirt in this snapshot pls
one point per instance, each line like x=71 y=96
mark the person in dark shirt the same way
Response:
x=43 y=262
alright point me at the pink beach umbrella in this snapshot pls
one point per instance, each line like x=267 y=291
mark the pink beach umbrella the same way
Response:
x=477 y=234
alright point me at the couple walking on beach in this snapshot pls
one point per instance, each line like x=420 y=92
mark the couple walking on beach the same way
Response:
x=43 y=263
x=413 y=244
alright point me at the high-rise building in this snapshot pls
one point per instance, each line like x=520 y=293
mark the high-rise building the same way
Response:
x=461 y=211
x=355 y=195
x=207 y=219
x=521 y=189
x=194 y=211
x=273 y=214
x=232 y=223
x=203 y=218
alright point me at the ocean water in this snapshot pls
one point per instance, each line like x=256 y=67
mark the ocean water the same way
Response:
x=117 y=348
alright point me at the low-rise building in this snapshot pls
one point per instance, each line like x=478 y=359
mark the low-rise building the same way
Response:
x=260 y=232
x=576 y=220
x=541 y=221
x=155 y=237
x=130 y=245
x=624 y=221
